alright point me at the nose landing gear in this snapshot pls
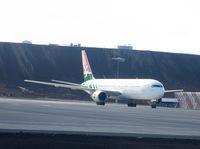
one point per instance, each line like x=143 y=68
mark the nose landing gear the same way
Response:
x=153 y=104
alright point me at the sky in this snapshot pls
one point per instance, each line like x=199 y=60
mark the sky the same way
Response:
x=158 y=25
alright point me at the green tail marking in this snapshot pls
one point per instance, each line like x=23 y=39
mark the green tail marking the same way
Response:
x=88 y=76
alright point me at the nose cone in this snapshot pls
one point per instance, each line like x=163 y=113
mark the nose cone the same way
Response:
x=156 y=90
x=157 y=93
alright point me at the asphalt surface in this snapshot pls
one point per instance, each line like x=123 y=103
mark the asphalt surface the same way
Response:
x=88 y=118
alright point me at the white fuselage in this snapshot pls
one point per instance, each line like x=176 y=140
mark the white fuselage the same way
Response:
x=141 y=89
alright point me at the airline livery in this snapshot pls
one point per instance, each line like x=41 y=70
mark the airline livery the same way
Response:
x=101 y=90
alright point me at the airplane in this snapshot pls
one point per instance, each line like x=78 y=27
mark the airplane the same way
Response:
x=100 y=90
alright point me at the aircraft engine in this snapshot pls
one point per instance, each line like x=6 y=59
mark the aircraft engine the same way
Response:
x=99 y=96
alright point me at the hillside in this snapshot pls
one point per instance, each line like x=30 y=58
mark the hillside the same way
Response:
x=45 y=62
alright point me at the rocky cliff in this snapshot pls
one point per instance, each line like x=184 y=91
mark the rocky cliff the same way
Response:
x=45 y=62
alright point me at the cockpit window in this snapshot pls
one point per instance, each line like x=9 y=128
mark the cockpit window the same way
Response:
x=156 y=85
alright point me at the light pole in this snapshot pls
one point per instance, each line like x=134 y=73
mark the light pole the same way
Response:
x=118 y=60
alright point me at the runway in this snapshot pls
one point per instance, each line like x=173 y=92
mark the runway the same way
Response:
x=88 y=118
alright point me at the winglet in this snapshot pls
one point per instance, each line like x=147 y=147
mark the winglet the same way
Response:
x=87 y=71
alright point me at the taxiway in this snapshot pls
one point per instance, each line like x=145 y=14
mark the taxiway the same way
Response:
x=88 y=118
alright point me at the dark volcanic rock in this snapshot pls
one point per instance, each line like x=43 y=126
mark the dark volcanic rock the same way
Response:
x=39 y=62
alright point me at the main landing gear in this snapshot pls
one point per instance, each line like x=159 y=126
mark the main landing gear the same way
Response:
x=100 y=103
x=131 y=104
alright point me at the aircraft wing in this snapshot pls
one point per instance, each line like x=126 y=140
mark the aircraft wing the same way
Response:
x=171 y=91
x=75 y=87
x=109 y=92
x=112 y=92
x=63 y=82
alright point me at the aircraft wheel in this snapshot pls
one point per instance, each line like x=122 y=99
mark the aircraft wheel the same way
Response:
x=153 y=105
x=100 y=103
x=130 y=104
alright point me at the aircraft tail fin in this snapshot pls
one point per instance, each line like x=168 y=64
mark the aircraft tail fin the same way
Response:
x=87 y=71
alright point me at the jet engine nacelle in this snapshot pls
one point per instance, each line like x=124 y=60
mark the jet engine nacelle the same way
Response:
x=99 y=96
